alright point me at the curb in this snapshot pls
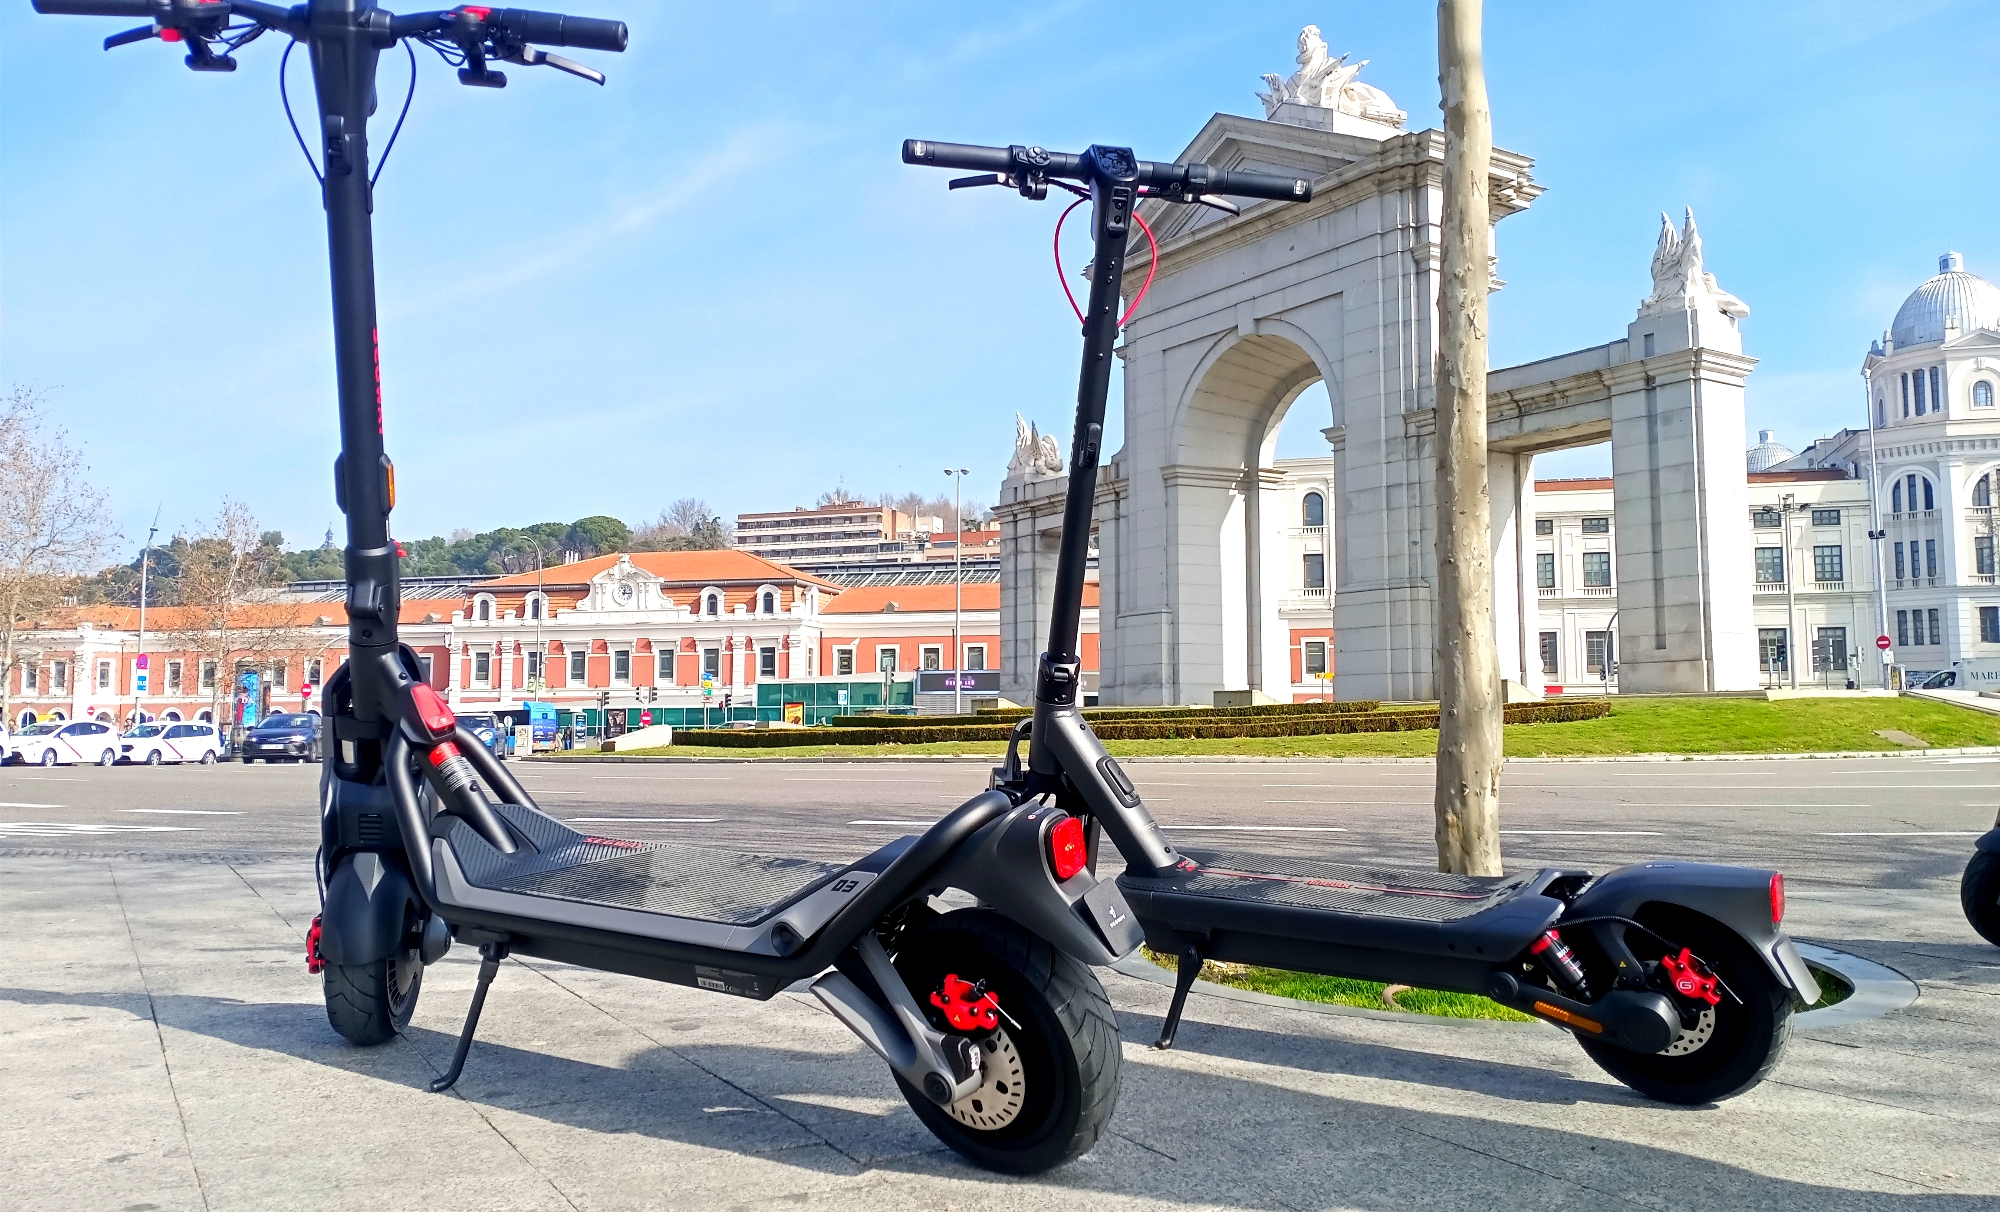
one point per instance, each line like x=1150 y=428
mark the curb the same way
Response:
x=1878 y=990
x=1229 y=759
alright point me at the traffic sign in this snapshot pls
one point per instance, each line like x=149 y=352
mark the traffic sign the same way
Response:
x=843 y=696
x=139 y=681
x=1882 y=642
x=142 y=660
x=645 y=719
x=1888 y=658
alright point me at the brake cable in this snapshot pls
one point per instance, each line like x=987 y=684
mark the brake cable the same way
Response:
x=1152 y=266
x=285 y=96
x=407 y=98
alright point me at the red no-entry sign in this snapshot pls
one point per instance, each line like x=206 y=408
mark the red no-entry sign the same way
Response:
x=1882 y=642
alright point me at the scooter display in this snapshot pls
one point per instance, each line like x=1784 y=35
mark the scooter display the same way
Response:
x=1677 y=978
x=990 y=1018
x=1979 y=888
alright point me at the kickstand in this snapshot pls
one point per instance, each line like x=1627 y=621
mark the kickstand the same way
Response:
x=490 y=955
x=1190 y=968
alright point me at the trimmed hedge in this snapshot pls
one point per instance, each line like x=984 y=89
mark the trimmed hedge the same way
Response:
x=1095 y=714
x=1326 y=723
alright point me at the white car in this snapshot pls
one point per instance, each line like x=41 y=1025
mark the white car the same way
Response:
x=168 y=741
x=65 y=743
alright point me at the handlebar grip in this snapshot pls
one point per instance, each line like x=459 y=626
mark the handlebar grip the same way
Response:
x=95 y=8
x=556 y=29
x=958 y=155
x=1259 y=185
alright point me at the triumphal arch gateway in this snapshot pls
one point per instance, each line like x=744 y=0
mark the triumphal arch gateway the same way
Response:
x=1248 y=311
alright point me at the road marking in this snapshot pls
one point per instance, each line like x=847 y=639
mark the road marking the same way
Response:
x=1915 y=833
x=1982 y=761
x=642 y=820
x=53 y=829
x=1352 y=803
x=924 y=824
x=664 y=778
x=1588 y=832
x=7 y=804
x=1264 y=828
x=183 y=811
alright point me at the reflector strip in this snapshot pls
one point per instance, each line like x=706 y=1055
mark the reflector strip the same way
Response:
x=1565 y=1017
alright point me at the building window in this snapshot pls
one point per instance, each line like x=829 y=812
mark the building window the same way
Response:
x=1899 y=561
x=1830 y=650
x=1916 y=628
x=1826 y=517
x=576 y=659
x=663 y=662
x=1982 y=554
x=58 y=677
x=843 y=662
x=1881 y=418
x=1550 y=642
x=534 y=665
x=1937 y=397
x=1930 y=557
x=1771 y=652
x=1314 y=657
x=1896 y=498
x=1596 y=649
x=1827 y=563
x=770 y=602
x=1770 y=565
x=975 y=656
x=278 y=675
x=1545 y=526
x=485 y=612
x=1937 y=634
x=711 y=664
x=1597 y=526
x=930 y=656
x=1982 y=394
x=1315 y=571
x=1766 y=518
x=621 y=667
x=314 y=669
x=482 y=668
x=1989 y=624
x=1313 y=512
x=1920 y=393
x=205 y=677
x=1903 y=627
x=424 y=667
x=104 y=675
x=767 y=662
x=1545 y=570
x=173 y=677
x=712 y=604
x=1596 y=568
x=534 y=606
x=1982 y=491
x=885 y=660
x=1906 y=395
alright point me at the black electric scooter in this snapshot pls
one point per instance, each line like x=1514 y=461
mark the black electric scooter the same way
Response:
x=1979 y=888
x=998 y=1033
x=1675 y=977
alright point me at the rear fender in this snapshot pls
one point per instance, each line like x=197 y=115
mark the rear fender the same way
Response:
x=1737 y=897
x=369 y=903
x=1006 y=866
x=1989 y=841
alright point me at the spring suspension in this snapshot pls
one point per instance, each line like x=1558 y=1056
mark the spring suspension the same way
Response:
x=1561 y=963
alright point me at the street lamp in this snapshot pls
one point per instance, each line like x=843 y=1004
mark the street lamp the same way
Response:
x=145 y=566
x=538 y=682
x=957 y=475
x=1787 y=505
x=1877 y=532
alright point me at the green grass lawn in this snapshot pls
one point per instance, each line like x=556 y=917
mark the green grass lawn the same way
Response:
x=1636 y=725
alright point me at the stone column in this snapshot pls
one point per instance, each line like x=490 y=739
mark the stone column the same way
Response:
x=1030 y=515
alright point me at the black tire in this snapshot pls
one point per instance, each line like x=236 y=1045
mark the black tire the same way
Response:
x=370 y=1004
x=153 y=758
x=1066 y=1044
x=208 y=757
x=1979 y=894
x=1744 y=1041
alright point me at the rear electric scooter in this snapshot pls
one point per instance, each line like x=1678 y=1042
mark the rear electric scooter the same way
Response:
x=1675 y=977
x=998 y=1033
x=1979 y=889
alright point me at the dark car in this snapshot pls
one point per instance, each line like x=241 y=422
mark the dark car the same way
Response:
x=287 y=737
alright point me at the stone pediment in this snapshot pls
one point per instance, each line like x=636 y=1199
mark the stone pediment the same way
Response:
x=1232 y=141
x=624 y=586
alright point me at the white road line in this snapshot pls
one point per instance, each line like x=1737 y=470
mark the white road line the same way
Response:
x=1979 y=761
x=54 y=829
x=183 y=811
x=1914 y=833
x=1356 y=803
x=1263 y=828
x=668 y=778
x=1588 y=832
x=642 y=820
x=923 y=824
x=9 y=804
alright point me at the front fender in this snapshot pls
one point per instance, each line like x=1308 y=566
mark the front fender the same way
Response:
x=1989 y=841
x=1738 y=897
x=369 y=903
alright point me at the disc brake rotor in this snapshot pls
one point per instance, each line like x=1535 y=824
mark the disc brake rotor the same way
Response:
x=1692 y=1038
x=1001 y=1093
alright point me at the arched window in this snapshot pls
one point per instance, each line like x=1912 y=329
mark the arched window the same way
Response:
x=1920 y=393
x=535 y=606
x=1906 y=395
x=1881 y=417
x=1314 y=510
x=1927 y=496
x=27 y=719
x=770 y=602
x=484 y=611
x=1982 y=491
x=174 y=716
x=712 y=604
x=1896 y=498
x=1982 y=394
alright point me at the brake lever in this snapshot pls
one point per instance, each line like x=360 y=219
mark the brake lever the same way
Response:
x=531 y=56
x=1222 y=204
x=981 y=179
x=142 y=34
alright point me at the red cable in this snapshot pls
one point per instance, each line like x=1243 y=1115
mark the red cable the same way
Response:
x=1152 y=265
x=1062 y=277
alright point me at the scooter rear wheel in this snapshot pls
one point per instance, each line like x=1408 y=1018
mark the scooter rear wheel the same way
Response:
x=1979 y=895
x=1733 y=1046
x=1051 y=1069
x=371 y=1003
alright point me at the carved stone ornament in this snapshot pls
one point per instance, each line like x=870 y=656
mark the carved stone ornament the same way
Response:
x=1678 y=278
x=1327 y=83
x=1036 y=455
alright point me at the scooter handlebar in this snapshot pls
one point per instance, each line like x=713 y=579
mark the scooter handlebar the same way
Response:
x=95 y=8
x=1169 y=179
x=558 y=29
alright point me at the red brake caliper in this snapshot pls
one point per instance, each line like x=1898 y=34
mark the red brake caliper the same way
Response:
x=966 y=1006
x=1689 y=979
x=315 y=962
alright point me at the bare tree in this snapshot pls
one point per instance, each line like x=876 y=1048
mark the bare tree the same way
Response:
x=686 y=525
x=227 y=609
x=1470 y=751
x=54 y=524
x=839 y=496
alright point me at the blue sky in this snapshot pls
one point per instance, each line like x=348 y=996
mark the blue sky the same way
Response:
x=714 y=278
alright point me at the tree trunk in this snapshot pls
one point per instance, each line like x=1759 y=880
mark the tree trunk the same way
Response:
x=1469 y=740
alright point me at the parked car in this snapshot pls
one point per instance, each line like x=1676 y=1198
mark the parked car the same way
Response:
x=168 y=741
x=489 y=731
x=65 y=743
x=6 y=746
x=285 y=737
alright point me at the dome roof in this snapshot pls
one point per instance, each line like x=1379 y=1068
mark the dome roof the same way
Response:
x=1768 y=452
x=1967 y=300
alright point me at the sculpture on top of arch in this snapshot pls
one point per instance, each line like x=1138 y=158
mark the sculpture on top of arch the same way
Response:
x=1323 y=82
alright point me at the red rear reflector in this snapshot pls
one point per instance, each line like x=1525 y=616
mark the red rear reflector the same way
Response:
x=170 y=35
x=481 y=13
x=1777 y=897
x=431 y=709
x=1066 y=849
x=444 y=753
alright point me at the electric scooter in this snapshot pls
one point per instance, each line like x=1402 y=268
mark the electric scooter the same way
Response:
x=1676 y=977
x=989 y=1017
x=1979 y=888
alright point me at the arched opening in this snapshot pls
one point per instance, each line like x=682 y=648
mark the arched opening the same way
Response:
x=1313 y=514
x=484 y=612
x=535 y=606
x=712 y=604
x=770 y=605
x=174 y=716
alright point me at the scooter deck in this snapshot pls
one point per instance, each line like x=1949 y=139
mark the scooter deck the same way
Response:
x=1270 y=879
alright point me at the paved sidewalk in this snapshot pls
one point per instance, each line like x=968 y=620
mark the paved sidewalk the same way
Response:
x=162 y=1047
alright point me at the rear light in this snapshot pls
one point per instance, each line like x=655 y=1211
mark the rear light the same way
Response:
x=1777 y=897
x=431 y=711
x=1067 y=852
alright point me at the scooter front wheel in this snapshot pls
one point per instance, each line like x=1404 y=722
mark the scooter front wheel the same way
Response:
x=1979 y=895
x=371 y=1003
x=1050 y=1070
x=1732 y=1046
